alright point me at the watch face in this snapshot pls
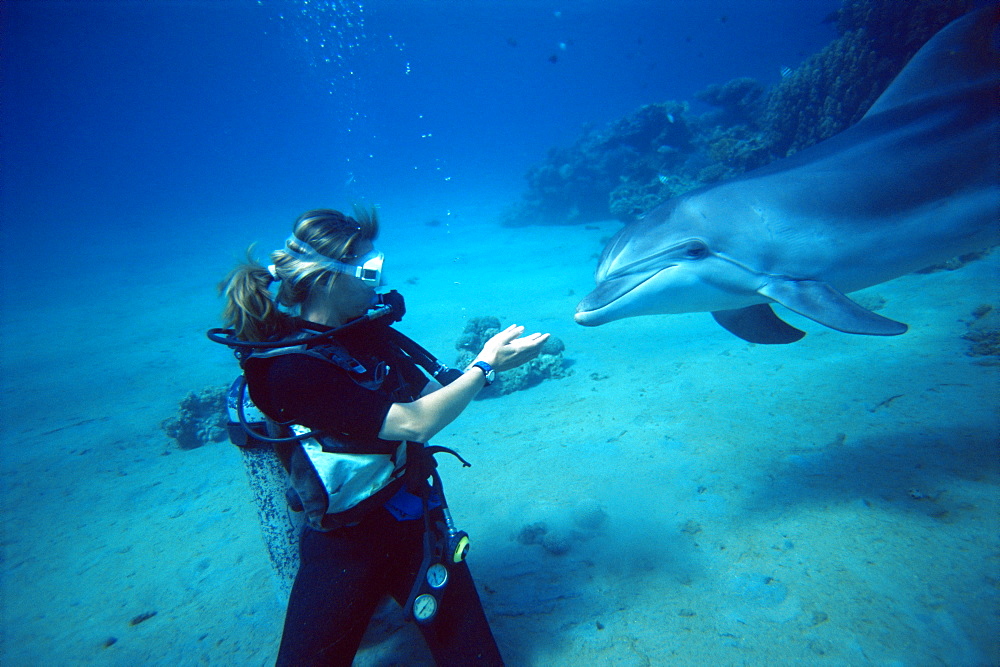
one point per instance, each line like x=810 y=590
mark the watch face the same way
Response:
x=424 y=607
x=437 y=575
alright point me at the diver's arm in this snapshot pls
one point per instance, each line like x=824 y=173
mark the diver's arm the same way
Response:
x=423 y=418
x=430 y=387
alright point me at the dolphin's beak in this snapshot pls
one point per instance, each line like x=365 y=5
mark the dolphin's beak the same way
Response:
x=588 y=311
x=587 y=318
x=604 y=304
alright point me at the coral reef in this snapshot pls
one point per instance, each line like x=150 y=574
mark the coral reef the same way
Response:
x=641 y=150
x=739 y=101
x=201 y=419
x=984 y=333
x=557 y=534
x=548 y=364
x=662 y=150
x=834 y=88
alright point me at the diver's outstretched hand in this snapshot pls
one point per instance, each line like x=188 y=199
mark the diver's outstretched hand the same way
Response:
x=505 y=350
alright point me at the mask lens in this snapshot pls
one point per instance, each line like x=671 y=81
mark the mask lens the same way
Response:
x=370 y=271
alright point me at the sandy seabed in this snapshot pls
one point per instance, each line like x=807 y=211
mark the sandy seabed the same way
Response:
x=705 y=501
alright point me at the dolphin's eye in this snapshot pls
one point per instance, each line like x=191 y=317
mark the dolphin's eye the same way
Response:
x=696 y=250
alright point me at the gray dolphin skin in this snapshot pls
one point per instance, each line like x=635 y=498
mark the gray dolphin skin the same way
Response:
x=915 y=182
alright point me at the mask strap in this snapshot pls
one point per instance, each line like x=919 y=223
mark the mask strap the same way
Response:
x=309 y=254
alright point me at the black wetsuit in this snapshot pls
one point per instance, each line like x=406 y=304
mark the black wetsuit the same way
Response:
x=345 y=573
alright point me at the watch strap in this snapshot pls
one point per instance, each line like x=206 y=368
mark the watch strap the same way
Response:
x=487 y=370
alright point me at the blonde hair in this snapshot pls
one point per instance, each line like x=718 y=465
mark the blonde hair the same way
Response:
x=252 y=310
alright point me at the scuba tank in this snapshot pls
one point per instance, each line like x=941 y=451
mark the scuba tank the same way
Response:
x=280 y=524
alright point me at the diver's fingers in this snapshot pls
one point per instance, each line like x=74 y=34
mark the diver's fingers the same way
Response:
x=533 y=339
x=511 y=332
x=528 y=347
x=505 y=336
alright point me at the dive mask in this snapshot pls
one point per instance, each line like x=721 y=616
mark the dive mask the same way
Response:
x=367 y=268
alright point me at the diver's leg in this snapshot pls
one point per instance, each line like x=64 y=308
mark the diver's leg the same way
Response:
x=336 y=591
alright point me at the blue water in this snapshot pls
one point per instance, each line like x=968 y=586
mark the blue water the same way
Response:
x=832 y=502
x=119 y=114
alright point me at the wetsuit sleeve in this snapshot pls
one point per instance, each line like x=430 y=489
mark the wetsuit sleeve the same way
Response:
x=317 y=395
x=414 y=378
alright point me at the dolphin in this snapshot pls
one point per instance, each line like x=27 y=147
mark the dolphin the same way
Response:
x=915 y=182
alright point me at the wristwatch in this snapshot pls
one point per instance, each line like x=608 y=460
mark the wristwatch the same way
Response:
x=487 y=370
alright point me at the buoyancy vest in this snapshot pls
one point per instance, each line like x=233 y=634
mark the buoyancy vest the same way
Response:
x=335 y=482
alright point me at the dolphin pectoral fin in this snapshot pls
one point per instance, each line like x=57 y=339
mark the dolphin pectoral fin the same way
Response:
x=820 y=302
x=757 y=324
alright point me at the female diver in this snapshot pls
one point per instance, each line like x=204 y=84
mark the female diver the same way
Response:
x=376 y=520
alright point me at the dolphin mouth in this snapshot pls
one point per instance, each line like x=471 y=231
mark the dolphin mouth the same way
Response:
x=596 y=308
x=588 y=318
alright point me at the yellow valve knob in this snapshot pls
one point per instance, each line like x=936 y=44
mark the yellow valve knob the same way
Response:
x=461 y=549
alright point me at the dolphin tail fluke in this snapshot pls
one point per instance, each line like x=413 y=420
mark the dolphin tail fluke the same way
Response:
x=757 y=324
x=820 y=302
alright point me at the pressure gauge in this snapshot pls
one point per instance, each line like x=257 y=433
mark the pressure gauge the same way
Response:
x=437 y=575
x=424 y=607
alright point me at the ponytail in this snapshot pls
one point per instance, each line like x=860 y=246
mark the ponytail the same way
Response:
x=250 y=308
